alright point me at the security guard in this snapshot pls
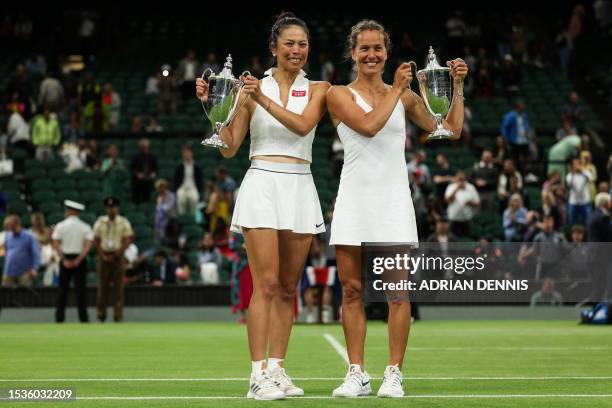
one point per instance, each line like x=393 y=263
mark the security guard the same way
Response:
x=112 y=235
x=72 y=239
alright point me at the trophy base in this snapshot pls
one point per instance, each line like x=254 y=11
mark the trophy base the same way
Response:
x=215 y=142
x=440 y=134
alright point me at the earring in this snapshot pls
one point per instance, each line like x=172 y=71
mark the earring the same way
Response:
x=274 y=55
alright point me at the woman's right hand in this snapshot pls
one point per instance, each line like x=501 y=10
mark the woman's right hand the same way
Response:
x=403 y=76
x=201 y=90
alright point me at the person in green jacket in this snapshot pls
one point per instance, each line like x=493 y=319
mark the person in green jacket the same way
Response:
x=45 y=134
x=561 y=152
x=114 y=174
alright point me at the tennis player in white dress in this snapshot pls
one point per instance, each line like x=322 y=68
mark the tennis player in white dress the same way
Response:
x=277 y=208
x=374 y=202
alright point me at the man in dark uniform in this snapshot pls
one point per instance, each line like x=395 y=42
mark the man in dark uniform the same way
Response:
x=72 y=239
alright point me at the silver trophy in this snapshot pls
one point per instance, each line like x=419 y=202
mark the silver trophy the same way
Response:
x=221 y=106
x=435 y=88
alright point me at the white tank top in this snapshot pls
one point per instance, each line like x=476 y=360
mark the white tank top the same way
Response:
x=268 y=135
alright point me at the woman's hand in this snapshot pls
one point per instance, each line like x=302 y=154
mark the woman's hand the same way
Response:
x=202 y=90
x=251 y=87
x=459 y=69
x=403 y=76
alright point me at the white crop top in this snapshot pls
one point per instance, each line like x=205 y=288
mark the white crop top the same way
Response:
x=268 y=135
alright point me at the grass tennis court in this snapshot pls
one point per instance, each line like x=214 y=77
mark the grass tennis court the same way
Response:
x=449 y=364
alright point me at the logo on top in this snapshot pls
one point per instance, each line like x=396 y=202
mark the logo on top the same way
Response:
x=298 y=93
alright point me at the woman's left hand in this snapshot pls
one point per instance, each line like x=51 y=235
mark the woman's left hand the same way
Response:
x=459 y=68
x=251 y=87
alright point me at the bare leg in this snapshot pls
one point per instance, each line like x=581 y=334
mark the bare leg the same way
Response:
x=262 y=252
x=398 y=328
x=353 y=315
x=293 y=251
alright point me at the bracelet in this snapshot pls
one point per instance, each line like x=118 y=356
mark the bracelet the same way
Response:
x=460 y=94
x=269 y=103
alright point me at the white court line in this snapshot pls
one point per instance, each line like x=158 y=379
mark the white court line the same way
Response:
x=337 y=346
x=515 y=378
x=424 y=396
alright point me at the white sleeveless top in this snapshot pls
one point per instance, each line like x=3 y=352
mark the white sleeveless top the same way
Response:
x=268 y=135
x=374 y=203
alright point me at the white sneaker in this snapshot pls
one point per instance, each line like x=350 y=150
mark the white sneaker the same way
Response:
x=392 y=383
x=356 y=383
x=285 y=384
x=263 y=387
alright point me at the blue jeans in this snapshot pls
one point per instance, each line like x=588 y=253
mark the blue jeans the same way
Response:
x=577 y=211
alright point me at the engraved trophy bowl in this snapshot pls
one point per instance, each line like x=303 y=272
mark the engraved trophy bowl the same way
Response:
x=435 y=88
x=221 y=105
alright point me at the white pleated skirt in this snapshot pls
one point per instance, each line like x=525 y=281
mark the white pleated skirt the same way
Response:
x=279 y=196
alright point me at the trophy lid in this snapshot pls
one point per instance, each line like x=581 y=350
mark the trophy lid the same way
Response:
x=432 y=60
x=227 y=68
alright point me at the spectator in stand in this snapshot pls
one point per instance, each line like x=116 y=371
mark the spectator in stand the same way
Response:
x=112 y=236
x=88 y=90
x=22 y=91
x=503 y=185
x=515 y=219
x=137 y=125
x=112 y=101
x=113 y=173
x=164 y=270
x=51 y=93
x=501 y=153
x=561 y=152
x=554 y=180
x=603 y=187
x=188 y=183
x=574 y=113
x=186 y=73
x=463 y=202
x=566 y=129
x=516 y=130
x=547 y=248
x=547 y=296
x=510 y=77
x=96 y=115
x=227 y=185
x=154 y=126
x=46 y=134
x=578 y=181
x=92 y=155
x=152 y=88
x=144 y=171
x=533 y=226
x=587 y=164
x=485 y=176
x=209 y=260
x=73 y=131
x=241 y=281
x=328 y=71
x=18 y=132
x=36 y=66
x=212 y=63
x=418 y=163
x=22 y=255
x=217 y=207
x=549 y=207
x=166 y=208
x=167 y=92
x=442 y=236
x=599 y=229
x=442 y=177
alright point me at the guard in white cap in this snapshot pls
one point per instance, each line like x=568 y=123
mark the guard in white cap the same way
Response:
x=72 y=239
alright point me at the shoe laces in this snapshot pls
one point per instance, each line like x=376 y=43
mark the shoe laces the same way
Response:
x=354 y=376
x=280 y=376
x=393 y=375
x=266 y=382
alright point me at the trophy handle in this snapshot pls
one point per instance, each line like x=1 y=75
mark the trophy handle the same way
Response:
x=235 y=108
x=202 y=77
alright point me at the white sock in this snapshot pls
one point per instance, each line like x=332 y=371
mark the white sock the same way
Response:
x=274 y=362
x=257 y=366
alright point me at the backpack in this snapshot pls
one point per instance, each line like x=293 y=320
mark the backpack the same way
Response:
x=599 y=314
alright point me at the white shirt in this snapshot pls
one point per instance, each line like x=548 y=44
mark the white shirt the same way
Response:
x=578 y=186
x=188 y=180
x=459 y=210
x=18 y=128
x=72 y=233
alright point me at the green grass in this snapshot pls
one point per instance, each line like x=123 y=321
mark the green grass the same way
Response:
x=441 y=359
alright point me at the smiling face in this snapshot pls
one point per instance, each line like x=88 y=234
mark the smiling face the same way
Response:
x=291 y=48
x=370 y=53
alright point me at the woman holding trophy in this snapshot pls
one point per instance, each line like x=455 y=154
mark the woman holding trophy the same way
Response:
x=374 y=202
x=277 y=209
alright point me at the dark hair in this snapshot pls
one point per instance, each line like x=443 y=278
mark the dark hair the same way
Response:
x=283 y=21
x=366 y=25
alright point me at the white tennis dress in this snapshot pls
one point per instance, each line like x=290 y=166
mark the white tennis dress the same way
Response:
x=374 y=202
x=280 y=196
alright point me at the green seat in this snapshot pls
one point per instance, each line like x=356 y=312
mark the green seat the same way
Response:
x=88 y=217
x=35 y=173
x=143 y=232
x=43 y=196
x=65 y=183
x=42 y=184
x=55 y=217
x=186 y=220
x=49 y=207
x=17 y=207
